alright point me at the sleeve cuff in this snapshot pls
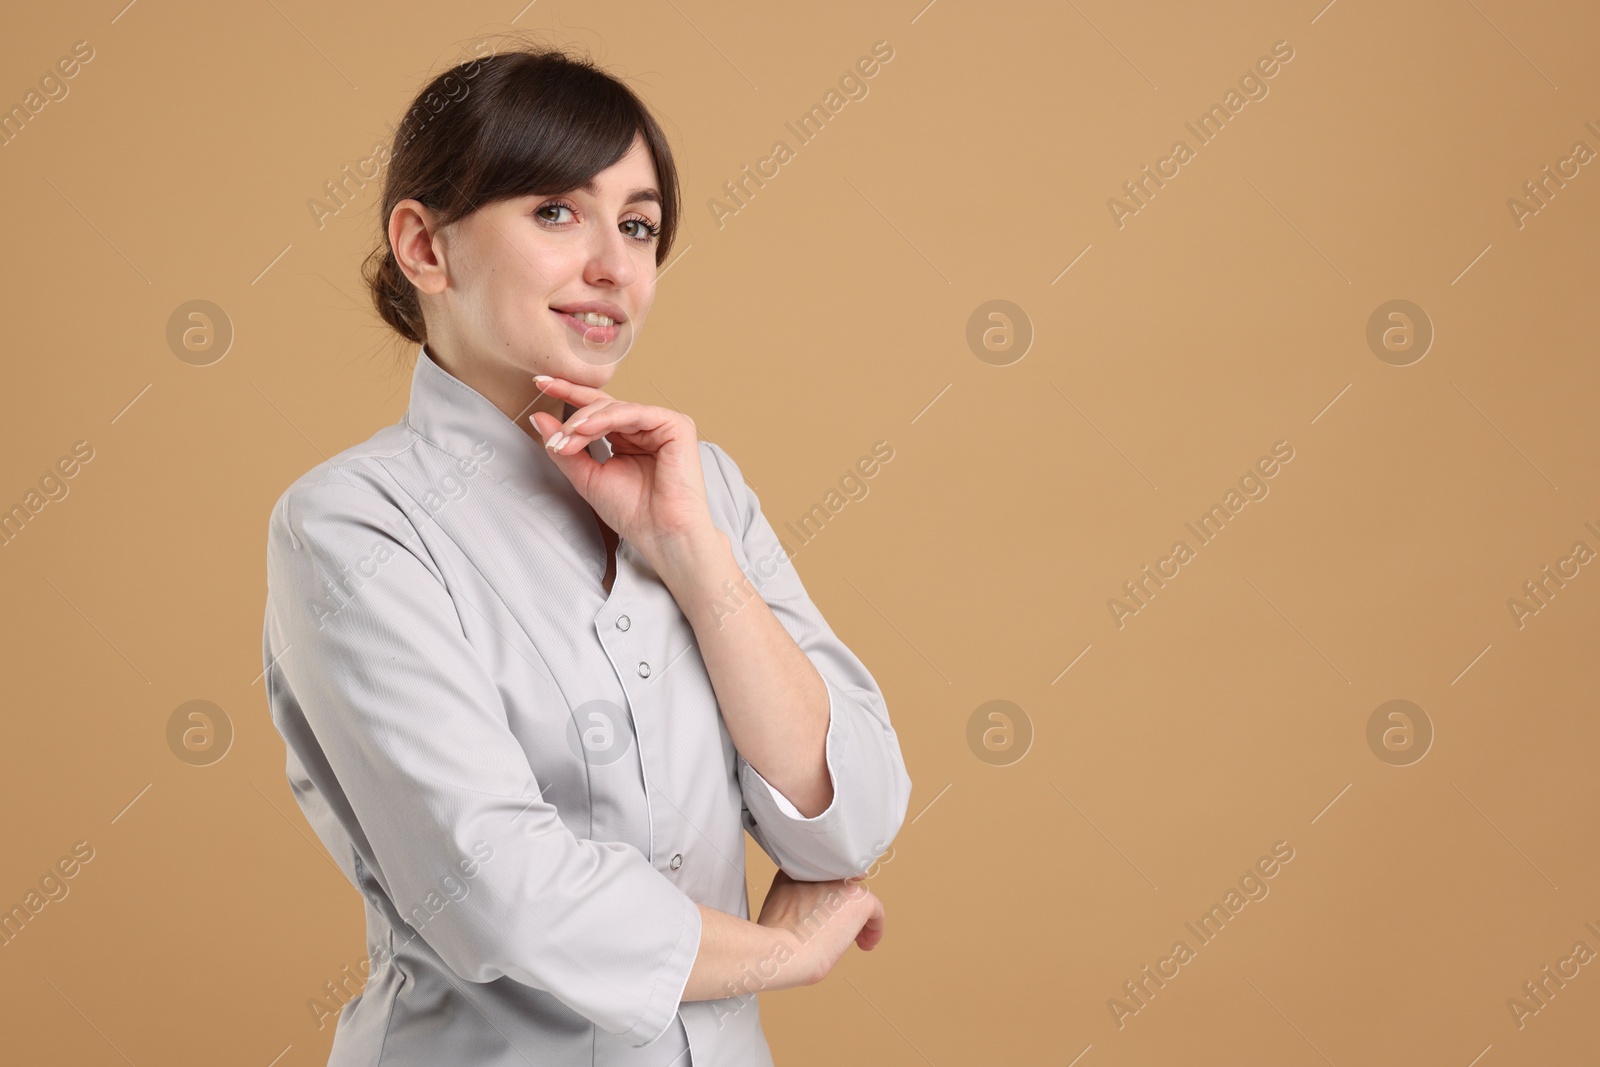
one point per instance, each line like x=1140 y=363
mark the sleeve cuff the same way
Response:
x=667 y=996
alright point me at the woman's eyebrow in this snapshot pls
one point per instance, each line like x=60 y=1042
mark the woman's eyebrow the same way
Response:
x=634 y=197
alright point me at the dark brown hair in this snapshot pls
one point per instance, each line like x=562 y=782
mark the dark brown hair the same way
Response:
x=517 y=123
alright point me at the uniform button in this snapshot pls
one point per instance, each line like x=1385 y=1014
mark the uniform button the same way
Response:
x=644 y=670
x=677 y=861
x=622 y=622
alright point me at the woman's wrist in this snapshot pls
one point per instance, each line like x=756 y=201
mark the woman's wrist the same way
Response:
x=738 y=958
x=690 y=559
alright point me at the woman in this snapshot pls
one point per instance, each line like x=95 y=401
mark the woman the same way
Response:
x=538 y=659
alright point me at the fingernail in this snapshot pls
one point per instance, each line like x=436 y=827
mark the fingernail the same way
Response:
x=555 y=442
x=580 y=422
x=541 y=377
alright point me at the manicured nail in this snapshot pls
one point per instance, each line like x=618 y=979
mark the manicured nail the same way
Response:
x=555 y=442
x=541 y=377
x=580 y=422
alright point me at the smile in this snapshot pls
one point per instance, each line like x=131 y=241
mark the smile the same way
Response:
x=595 y=329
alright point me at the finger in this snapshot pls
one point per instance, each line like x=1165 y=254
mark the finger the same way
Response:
x=570 y=390
x=551 y=432
x=872 y=932
x=553 y=429
x=570 y=424
x=549 y=426
x=644 y=426
x=570 y=444
x=572 y=458
x=556 y=442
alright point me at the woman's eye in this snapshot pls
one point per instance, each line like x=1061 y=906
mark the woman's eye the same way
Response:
x=645 y=230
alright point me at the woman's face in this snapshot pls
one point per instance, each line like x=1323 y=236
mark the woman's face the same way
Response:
x=501 y=293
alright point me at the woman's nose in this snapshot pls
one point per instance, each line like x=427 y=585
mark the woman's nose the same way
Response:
x=609 y=260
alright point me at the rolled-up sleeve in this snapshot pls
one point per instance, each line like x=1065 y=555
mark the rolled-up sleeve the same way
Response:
x=371 y=653
x=871 y=787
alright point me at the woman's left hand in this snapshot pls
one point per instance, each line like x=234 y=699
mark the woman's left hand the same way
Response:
x=651 y=491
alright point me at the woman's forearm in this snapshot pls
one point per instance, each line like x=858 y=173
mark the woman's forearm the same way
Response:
x=772 y=699
x=738 y=957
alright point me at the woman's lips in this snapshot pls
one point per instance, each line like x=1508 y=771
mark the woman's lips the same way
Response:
x=594 y=335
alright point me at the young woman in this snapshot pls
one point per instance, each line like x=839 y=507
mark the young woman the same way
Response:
x=538 y=659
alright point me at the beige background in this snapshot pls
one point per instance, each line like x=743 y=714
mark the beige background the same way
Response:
x=831 y=312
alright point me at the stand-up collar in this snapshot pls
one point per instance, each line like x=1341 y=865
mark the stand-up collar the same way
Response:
x=457 y=418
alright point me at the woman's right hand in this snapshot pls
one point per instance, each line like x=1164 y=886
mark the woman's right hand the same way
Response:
x=822 y=919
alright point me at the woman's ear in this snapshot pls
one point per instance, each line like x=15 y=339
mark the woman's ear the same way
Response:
x=418 y=245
